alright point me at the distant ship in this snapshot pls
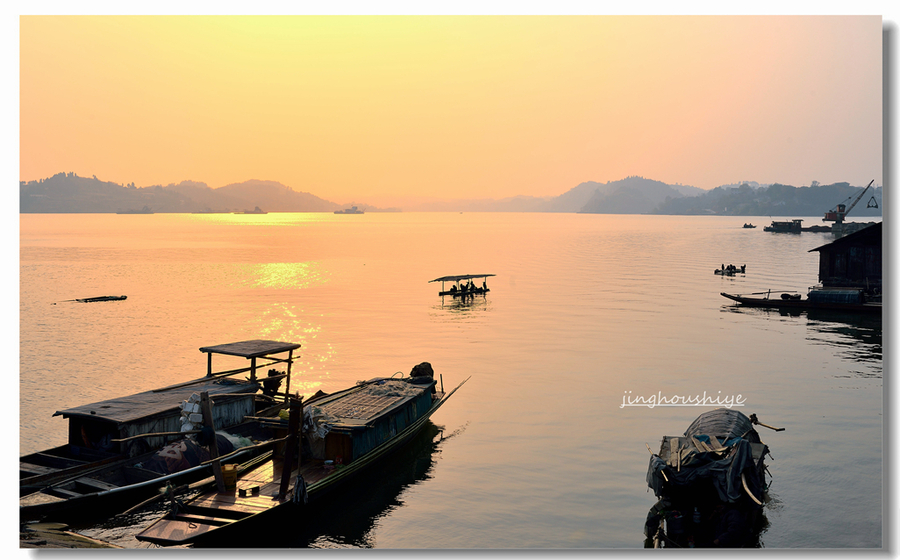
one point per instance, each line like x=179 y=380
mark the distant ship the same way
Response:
x=351 y=210
x=255 y=210
x=144 y=210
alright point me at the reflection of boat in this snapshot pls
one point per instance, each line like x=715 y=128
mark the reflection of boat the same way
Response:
x=101 y=298
x=344 y=434
x=749 y=226
x=710 y=483
x=112 y=431
x=351 y=210
x=463 y=290
x=851 y=300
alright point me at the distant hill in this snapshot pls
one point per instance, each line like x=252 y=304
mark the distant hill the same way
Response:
x=632 y=195
x=67 y=192
x=775 y=200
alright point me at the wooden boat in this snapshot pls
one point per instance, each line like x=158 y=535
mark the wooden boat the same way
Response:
x=101 y=298
x=344 y=434
x=749 y=226
x=459 y=289
x=113 y=487
x=850 y=300
x=794 y=226
x=116 y=429
x=710 y=483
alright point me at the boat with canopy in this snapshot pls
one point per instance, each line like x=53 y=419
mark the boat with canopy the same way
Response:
x=462 y=285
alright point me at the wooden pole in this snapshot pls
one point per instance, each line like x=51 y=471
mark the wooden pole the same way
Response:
x=209 y=364
x=253 y=369
x=287 y=390
x=206 y=409
x=291 y=447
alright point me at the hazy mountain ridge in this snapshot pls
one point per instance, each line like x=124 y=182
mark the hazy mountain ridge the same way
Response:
x=69 y=193
x=775 y=200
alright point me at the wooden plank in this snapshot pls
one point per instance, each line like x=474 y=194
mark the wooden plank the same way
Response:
x=96 y=485
x=33 y=469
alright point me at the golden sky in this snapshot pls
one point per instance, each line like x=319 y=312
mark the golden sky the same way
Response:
x=354 y=108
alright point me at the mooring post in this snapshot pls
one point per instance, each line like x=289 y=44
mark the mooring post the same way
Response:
x=206 y=409
x=291 y=447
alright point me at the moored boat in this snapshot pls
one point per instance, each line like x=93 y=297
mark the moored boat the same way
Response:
x=343 y=434
x=851 y=300
x=110 y=434
x=710 y=483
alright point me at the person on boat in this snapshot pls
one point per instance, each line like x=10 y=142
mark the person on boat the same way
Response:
x=743 y=268
x=484 y=285
x=453 y=289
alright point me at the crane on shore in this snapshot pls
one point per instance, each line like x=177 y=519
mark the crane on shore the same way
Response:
x=839 y=212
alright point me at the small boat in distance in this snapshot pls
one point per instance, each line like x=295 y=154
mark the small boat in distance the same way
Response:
x=256 y=210
x=465 y=289
x=731 y=270
x=794 y=226
x=749 y=226
x=351 y=210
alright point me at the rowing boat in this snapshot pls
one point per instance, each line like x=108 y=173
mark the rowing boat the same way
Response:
x=343 y=435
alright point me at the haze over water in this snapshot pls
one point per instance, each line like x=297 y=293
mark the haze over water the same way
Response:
x=584 y=311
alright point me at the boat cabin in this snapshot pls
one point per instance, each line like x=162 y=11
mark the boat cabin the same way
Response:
x=92 y=427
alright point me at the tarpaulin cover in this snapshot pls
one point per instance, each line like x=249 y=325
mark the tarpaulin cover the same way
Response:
x=723 y=468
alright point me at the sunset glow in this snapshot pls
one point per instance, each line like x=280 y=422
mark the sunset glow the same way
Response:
x=367 y=107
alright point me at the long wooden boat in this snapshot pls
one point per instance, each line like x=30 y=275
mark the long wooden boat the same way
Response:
x=710 y=483
x=853 y=301
x=110 y=431
x=344 y=433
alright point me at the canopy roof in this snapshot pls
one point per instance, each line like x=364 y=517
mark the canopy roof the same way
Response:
x=460 y=277
x=251 y=348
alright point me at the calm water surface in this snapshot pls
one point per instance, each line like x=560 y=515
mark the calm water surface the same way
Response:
x=535 y=450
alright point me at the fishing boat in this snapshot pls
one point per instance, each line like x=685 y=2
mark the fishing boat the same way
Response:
x=854 y=300
x=731 y=270
x=343 y=434
x=749 y=226
x=461 y=288
x=711 y=484
x=113 y=432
